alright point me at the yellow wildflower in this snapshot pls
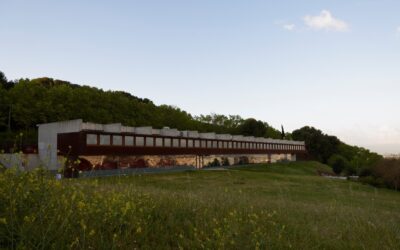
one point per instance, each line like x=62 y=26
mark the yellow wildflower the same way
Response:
x=3 y=221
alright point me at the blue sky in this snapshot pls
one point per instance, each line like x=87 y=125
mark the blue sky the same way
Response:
x=329 y=64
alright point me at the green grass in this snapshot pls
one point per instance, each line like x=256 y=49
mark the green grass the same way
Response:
x=276 y=206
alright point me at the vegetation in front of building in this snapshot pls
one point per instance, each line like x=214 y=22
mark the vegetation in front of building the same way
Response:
x=270 y=206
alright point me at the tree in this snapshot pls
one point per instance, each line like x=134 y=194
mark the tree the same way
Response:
x=318 y=144
x=252 y=127
x=338 y=163
x=282 y=133
x=4 y=82
x=3 y=79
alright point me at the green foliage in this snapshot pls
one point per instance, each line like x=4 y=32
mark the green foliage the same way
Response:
x=338 y=163
x=388 y=172
x=274 y=206
x=252 y=127
x=318 y=144
x=4 y=83
x=322 y=147
x=214 y=163
x=45 y=100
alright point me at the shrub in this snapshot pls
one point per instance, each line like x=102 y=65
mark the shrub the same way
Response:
x=338 y=163
x=225 y=161
x=214 y=163
x=389 y=171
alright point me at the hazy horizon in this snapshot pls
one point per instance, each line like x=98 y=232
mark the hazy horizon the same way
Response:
x=320 y=63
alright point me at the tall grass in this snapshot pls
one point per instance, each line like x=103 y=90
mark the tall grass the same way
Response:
x=268 y=206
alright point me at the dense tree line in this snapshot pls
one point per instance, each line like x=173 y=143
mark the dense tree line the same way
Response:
x=339 y=155
x=43 y=100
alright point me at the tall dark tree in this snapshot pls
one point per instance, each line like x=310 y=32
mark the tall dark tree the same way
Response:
x=319 y=145
x=4 y=82
x=252 y=127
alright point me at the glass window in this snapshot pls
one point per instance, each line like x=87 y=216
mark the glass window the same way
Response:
x=167 y=142
x=159 y=142
x=190 y=143
x=183 y=143
x=149 y=142
x=128 y=140
x=175 y=143
x=91 y=139
x=139 y=141
x=117 y=140
x=209 y=144
x=203 y=143
x=196 y=143
x=230 y=144
x=214 y=144
x=104 y=139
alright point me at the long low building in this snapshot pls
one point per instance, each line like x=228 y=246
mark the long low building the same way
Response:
x=105 y=146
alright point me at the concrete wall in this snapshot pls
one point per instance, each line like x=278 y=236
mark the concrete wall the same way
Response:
x=47 y=141
x=113 y=127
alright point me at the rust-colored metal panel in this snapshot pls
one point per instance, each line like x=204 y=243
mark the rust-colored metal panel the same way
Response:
x=75 y=144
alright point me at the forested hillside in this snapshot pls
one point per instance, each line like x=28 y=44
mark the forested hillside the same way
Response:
x=27 y=102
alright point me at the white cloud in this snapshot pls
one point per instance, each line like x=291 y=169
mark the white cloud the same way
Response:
x=289 y=27
x=326 y=21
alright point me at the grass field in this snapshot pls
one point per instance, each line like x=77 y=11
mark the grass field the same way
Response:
x=275 y=206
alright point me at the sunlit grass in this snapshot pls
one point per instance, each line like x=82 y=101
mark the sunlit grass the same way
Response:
x=275 y=206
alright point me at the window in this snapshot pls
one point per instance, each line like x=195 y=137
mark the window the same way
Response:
x=139 y=141
x=209 y=144
x=203 y=144
x=117 y=140
x=190 y=143
x=175 y=143
x=167 y=142
x=159 y=142
x=149 y=142
x=196 y=143
x=91 y=139
x=128 y=140
x=104 y=139
x=230 y=144
x=183 y=143
x=214 y=144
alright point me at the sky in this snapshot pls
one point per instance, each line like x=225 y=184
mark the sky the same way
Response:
x=334 y=65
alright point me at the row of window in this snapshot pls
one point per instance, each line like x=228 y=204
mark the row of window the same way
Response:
x=144 y=141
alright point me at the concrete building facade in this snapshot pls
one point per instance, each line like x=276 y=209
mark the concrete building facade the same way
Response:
x=110 y=146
